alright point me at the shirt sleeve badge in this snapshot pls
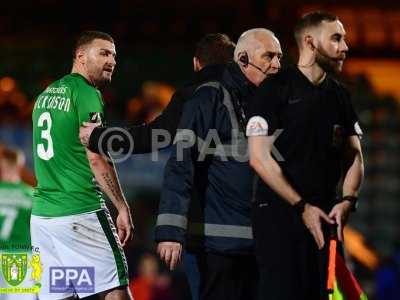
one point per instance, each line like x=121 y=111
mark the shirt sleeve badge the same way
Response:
x=257 y=126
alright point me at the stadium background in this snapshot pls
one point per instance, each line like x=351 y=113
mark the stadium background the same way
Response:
x=155 y=41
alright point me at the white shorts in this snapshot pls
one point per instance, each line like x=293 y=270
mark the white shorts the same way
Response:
x=87 y=240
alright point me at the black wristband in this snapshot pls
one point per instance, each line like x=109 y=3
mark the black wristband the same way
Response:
x=353 y=200
x=300 y=206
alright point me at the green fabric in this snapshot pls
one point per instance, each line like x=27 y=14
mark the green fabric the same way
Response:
x=363 y=297
x=65 y=181
x=15 y=210
x=337 y=295
x=119 y=257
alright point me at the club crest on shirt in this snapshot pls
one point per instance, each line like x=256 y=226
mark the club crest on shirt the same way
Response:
x=257 y=126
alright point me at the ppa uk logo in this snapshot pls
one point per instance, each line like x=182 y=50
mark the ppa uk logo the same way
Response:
x=72 y=279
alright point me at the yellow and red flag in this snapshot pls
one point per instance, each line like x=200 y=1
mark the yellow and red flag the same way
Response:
x=341 y=285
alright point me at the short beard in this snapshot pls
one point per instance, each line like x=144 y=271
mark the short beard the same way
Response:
x=100 y=83
x=326 y=63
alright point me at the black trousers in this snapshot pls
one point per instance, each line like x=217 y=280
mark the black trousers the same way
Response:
x=227 y=277
x=290 y=264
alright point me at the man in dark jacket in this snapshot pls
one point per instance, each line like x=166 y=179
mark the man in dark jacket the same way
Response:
x=207 y=189
x=212 y=51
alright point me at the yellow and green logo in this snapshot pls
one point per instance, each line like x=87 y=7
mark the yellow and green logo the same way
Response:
x=14 y=267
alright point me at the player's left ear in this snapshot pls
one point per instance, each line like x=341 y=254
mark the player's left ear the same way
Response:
x=80 y=55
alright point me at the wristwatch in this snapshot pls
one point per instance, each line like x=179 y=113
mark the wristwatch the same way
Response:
x=300 y=206
x=353 y=200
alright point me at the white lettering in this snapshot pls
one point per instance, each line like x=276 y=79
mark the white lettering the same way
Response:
x=44 y=101
x=61 y=103
x=56 y=90
x=50 y=102
x=56 y=275
x=67 y=104
x=55 y=102
x=71 y=274
x=37 y=103
x=84 y=278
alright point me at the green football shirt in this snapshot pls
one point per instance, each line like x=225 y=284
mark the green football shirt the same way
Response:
x=66 y=184
x=15 y=213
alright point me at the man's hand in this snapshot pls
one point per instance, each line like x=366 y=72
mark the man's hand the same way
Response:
x=312 y=216
x=85 y=131
x=340 y=213
x=170 y=253
x=124 y=226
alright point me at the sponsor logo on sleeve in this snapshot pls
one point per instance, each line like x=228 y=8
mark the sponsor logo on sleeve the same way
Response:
x=257 y=126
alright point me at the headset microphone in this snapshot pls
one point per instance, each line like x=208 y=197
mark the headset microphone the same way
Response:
x=244 y=58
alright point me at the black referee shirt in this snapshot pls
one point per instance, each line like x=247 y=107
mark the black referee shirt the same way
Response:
x=315 y=121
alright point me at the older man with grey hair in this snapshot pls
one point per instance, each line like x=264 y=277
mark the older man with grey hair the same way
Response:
x=259 y=49
x=217 y=227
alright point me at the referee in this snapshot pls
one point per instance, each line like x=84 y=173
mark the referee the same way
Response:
x=301 y=165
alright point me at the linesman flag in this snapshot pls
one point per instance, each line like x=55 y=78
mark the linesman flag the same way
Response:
x=341 y=285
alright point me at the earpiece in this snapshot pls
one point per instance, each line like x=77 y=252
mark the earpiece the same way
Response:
x=244 y=58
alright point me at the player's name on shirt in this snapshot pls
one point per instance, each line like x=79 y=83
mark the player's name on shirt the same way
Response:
x=53 y=100
x=55 y=90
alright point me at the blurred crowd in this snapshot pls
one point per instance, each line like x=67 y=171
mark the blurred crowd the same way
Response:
x=15 y=107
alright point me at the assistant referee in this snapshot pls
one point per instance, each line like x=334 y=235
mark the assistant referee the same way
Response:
x=301 y=166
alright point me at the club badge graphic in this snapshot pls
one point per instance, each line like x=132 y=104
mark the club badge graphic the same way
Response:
x=14 y=267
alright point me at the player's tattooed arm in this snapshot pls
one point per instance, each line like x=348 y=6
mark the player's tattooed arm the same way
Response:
x=107 y=178
x=114 y=191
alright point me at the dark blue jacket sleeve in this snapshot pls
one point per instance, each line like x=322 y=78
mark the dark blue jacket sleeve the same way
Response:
x=138 y=139
x=198 y=116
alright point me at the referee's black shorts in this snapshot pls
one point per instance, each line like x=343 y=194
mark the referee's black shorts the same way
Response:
x=290 y=264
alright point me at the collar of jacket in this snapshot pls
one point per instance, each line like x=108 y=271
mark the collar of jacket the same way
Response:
x=236 y=80
x=211 y=72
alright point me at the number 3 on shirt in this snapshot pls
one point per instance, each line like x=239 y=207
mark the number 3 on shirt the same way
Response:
x=45 y=121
